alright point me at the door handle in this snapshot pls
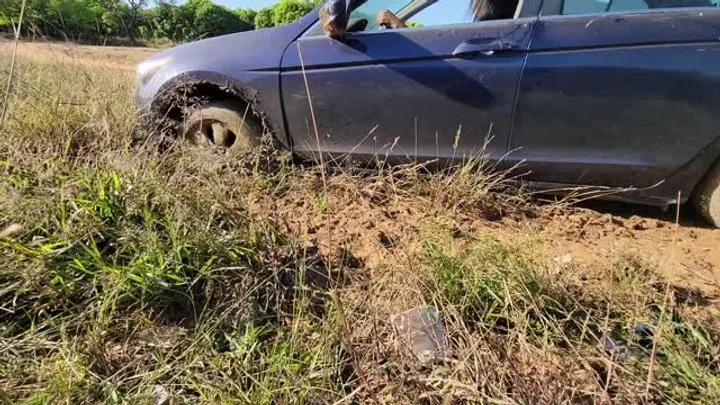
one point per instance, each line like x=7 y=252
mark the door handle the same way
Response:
x=483 y=47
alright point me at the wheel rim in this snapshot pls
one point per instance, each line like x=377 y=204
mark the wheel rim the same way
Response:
x=214 y=132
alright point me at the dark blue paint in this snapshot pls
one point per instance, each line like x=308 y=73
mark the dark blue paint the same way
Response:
x=614 y=100
x=620 y=100
x=248 y=60
x=402 y=95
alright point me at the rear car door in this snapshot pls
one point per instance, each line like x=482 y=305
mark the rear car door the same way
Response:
x=620 y=93
x=431 y=91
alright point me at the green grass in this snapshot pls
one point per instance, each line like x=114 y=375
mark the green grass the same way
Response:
x=142 y=265
x=503 y=297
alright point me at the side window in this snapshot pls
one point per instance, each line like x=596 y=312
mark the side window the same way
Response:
x=602 y=6
x=443 y=12
x=415 y=13
x=365 y=16
x=420 y=13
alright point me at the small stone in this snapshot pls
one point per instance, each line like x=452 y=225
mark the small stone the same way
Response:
x=386 y=240
x=11 y=230
x=160 y=395
x=623 y=232
x=643 y=333
x=609 y=344
x=611 y=347
x=564 y=260
x=641 y=226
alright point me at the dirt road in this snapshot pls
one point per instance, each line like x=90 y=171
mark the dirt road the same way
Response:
x=586 y=237
x=688 y=252
x=107 y=57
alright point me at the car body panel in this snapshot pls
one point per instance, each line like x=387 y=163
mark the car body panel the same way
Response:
x=247 y=63
x=657 y=26
x=607 y=100
x=402 y=94
x=620 y=100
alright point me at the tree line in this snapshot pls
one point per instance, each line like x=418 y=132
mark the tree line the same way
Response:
x=136 y=23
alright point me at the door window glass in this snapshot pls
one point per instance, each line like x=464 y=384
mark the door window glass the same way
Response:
x=443 y=12
x=415 y=13
x=368 y=12
x=418 y=13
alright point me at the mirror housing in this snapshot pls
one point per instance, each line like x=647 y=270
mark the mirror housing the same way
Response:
x=335 y=14
x=334 y=18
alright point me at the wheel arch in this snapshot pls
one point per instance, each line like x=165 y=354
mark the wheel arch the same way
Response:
x=186 y=90
x=706 y=160
x=686 y=178
x=706 y=195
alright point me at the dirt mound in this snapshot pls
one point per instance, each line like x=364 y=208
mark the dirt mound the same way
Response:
x=687 y=252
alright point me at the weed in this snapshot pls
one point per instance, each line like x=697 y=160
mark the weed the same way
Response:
x=125 y=266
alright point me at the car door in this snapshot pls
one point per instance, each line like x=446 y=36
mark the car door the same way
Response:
x=411 y=94
x=619 y=92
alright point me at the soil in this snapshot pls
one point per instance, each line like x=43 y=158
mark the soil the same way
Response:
x=686 y=252
x=108 y=57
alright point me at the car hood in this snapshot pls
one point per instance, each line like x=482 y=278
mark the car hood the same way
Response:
x=249 y=50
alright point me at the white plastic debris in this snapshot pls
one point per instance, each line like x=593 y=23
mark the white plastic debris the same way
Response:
x=160 y=395
x=422 y=329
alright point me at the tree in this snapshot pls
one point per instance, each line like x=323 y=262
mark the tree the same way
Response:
x=99 y=20
x=34 y=18
x=173 y=22
x=246 y=15
x=288 y=11
x=132 y=19
x=213 y=20
x=125 y=16
x=75 y=19
x=264 y=18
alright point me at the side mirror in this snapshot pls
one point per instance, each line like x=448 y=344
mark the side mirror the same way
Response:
x=334 y=18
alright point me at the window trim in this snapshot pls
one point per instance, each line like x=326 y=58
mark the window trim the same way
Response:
x=552 y=9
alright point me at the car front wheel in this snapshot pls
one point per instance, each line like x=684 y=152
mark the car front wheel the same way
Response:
x=227 y=124
x=707 y=196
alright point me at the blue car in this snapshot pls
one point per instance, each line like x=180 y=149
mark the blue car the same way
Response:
x=607 y=94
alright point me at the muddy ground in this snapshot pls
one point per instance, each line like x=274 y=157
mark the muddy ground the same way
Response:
x=687 y=252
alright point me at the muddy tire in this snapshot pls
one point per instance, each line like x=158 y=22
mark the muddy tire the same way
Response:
x=226 y=124
x=707 y=196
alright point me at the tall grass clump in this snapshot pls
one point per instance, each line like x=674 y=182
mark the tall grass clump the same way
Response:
x=521 y=327
x=585 y=337
x=141 y=271
x=137 y=269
